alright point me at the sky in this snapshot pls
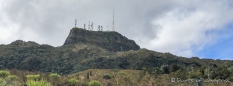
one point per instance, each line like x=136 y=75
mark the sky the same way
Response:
x=188 y=28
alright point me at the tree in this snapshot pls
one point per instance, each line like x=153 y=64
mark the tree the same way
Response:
x=174 y=68
x=179 y=74
x=165 y=70
x=222 y=73
x=196 y=74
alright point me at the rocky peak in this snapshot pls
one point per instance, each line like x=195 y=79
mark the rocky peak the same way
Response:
x=110 y=40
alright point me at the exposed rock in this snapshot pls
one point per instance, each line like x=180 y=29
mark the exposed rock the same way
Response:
x=109 y=40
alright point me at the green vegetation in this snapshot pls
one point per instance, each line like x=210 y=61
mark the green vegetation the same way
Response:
x=73 y=82
x=54 y=75
x=107 y=77
x=38 y=83
x=109 y=56
x=4 y=73
x=54 y=78
x=6 y=79
x=94 y=83
x=94 y=51
x=34 y=80
x=33 y=77
x=122 y=78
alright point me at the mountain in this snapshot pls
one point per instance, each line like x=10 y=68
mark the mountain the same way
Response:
x=84 y=49
x=109 y=40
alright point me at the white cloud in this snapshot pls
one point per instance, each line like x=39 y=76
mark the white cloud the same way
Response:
x=182 y=30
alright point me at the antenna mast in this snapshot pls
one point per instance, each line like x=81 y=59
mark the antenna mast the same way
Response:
x=75 y=22
x=84 y=26
x=113 y=28
x=89 y=25
x=92 y=25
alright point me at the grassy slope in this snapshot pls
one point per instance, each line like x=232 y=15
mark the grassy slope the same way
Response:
x=123 y=77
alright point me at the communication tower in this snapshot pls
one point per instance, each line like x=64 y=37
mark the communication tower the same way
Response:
x=113 y=28
x=98 y=27
x=84 y=26
x=75 y=22
x=92 y=25
x=102 y=28
x=89 y=25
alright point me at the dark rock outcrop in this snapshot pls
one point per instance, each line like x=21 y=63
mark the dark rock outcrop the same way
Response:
x=109 y=40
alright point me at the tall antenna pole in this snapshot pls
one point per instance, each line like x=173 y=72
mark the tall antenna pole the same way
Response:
x=89 y=25
x=113 y=28
x=84 y=26
x=92 y=25
x=75 y=22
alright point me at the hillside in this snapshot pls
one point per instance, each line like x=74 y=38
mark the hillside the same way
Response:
x=85 y=50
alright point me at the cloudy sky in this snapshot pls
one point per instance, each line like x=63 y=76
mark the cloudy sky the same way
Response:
x=202 y=28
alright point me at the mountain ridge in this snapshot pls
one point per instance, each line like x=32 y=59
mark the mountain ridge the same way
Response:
x=81 y=52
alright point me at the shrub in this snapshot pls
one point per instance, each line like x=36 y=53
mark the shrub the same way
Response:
x=7 y=80
x=73 y=81
x=37 y=83
x=54 y=77
x=4 y=73
x=94 y=83
x=107 y=77
x=33 y=77
x=12 y=77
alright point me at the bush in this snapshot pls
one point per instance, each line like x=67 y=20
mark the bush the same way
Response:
x=107 y=77
x=54 y=78
x=33 y=77
x=4 y=73
x=94 y=83
x=37 y=83
x=12 y=77
x=6 y=79
x=73 y=81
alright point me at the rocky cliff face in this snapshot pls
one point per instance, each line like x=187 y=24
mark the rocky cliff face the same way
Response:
x=109 y=40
